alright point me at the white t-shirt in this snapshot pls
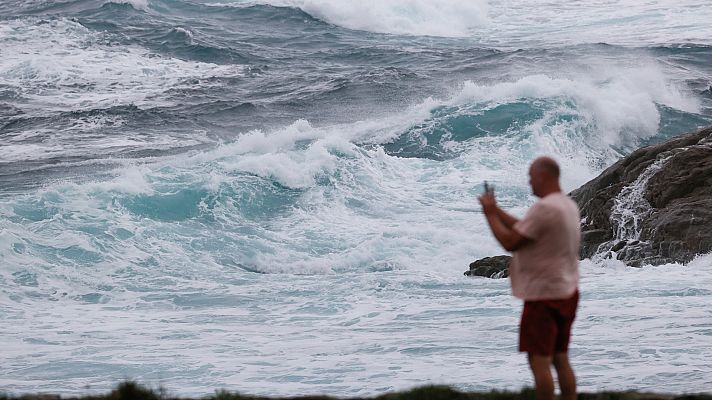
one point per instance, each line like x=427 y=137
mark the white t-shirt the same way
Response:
x=547 y=267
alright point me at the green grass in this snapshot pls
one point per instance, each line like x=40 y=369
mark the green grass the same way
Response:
x=134 y=391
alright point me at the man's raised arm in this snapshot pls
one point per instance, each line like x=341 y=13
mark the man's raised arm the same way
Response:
x=506 y=219
x=501 y=224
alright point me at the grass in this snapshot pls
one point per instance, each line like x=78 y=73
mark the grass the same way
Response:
x=134 y=391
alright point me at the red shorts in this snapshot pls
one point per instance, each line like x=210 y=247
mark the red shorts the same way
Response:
x=545 y=328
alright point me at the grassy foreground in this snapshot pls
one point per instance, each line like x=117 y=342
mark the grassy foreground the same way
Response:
x=133 y=391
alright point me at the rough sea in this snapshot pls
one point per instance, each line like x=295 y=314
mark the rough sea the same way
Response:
x=279 y=197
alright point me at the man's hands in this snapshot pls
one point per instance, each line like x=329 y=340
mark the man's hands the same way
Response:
x=501 y=223
x=489 y=203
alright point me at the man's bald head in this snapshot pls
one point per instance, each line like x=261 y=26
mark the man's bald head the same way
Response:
x=544 y=175
x=548 y=166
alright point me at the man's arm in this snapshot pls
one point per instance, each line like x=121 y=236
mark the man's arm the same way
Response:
x=506 y=219
x=501 y=224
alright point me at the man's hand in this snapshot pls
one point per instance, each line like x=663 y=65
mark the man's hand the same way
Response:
x=501 y=223
x=489 y=203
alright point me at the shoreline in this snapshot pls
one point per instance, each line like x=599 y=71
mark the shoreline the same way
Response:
x=130 y=390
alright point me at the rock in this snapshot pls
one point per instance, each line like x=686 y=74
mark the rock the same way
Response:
x=653 y=206
x=490 y=267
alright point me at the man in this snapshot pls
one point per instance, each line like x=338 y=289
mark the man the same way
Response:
x=544 y=273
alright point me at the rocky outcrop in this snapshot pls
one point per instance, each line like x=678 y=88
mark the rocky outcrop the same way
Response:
x=490 y=267
x=654 y=206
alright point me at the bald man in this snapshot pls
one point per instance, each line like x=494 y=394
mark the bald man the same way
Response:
x=544 y=273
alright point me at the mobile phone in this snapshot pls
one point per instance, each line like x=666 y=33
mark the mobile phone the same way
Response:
x=488 y=188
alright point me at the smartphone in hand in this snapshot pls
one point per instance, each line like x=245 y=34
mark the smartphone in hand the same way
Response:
x=488 y=188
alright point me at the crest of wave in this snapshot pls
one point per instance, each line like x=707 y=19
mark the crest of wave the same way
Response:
x=137 y=4
x=449 y=18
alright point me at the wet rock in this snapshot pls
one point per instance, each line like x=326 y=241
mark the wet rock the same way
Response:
x=490 y=267
x=653 y=206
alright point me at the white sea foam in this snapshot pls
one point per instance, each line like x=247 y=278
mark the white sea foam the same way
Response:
x=631 y=207
x=515 y=22
x=510 y=23
x=448 y=18
x=617 y=102
x=186 y=32
x=137 y=4
x=608 y=107
x=420 y=17
x=60 y=65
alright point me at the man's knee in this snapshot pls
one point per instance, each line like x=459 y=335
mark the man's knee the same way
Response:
x=561 y=360
x=539 y=362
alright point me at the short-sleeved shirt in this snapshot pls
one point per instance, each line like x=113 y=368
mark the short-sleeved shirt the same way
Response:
x=546 y=268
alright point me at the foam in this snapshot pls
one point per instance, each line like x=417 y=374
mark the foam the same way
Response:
x=447 y=18
x=141 y=5
x=630 y=207
x=132 y=180
x=29 y=151
x=512 y=23
x=515 y=22
x=297 y=154
x=186 y=32
x=60 y=65
x=48 y=143
x=621 y=101
x=615 y=107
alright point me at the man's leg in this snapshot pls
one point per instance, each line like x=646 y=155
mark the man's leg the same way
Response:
x=567 y=379
x=541 y=368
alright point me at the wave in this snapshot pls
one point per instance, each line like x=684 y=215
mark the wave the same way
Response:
x=291 y=193
x=565 y=22
x=446 y=18
x=505 y=23
x=60 y=65
x=619 y=103
x=137 y=4
x=586 y=119
x=510 y=23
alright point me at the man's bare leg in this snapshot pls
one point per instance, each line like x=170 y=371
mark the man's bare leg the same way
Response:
x=541 y=368
x=567 y=379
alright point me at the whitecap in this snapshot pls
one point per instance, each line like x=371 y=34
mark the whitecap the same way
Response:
x=61 y=65
x=446 y=18
x=137 y=4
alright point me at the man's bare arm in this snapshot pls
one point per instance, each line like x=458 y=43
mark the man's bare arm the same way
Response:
x=508 y=237
x=506 y=219
x=501 y=224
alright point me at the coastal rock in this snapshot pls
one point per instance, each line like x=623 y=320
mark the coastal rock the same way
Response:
x=653 y=206
x=490 y=267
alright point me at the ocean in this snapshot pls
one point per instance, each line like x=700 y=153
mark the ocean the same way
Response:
x=279 y=197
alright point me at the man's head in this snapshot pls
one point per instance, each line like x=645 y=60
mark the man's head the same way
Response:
x=544 y=176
